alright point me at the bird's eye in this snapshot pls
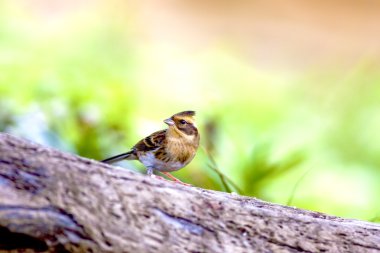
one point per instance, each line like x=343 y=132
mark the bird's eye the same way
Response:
x=182 y=121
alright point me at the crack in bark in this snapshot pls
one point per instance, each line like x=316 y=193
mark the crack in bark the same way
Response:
x=34 y=224
x=365 y=246
x=46 y=228
x=181 y=223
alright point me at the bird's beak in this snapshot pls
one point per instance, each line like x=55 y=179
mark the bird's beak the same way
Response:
x=169 y=122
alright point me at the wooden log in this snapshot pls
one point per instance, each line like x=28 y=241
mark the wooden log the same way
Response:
x=52 y=201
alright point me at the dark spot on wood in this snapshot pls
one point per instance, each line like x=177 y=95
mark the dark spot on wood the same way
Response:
x=61 y=249
x=10 y=241
x=115 y=215
x=242 y=230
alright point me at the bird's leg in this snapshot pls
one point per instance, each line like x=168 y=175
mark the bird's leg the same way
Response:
x=149 y=172
x=174 y=178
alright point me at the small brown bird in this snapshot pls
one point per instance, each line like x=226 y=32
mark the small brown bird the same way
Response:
x=166 y=150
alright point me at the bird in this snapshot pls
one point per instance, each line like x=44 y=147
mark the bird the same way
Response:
x=166 y=150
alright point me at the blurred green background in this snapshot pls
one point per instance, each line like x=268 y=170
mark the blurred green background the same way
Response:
x=287 y=93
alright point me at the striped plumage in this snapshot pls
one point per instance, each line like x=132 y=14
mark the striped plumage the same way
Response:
x=166 y=150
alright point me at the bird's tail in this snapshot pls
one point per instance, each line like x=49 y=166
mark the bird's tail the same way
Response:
x=124 y=156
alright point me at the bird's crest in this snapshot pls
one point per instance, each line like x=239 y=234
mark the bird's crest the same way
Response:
x=185 y=114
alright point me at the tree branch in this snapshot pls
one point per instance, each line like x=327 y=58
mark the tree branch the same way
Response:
x=53 y=201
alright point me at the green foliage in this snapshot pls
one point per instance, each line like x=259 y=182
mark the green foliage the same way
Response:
x=259 y=170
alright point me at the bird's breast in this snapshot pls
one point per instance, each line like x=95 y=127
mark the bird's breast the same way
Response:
x=181 y=151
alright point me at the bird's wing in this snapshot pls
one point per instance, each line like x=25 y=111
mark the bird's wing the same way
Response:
x=151 y=142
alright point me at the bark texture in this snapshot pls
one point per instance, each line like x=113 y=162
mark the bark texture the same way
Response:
x=52 y=201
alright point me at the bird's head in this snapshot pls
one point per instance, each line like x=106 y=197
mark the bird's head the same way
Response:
x=183 y=123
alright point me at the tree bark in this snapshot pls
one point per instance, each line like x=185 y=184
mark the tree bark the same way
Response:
x=52 y=201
